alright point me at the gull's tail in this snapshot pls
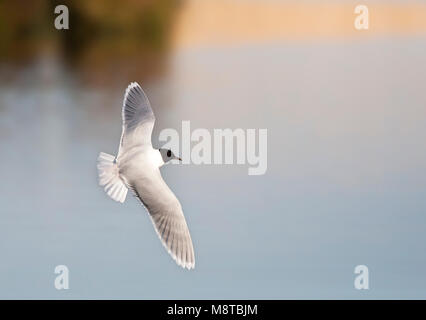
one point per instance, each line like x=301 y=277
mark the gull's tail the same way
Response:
x=109 y=177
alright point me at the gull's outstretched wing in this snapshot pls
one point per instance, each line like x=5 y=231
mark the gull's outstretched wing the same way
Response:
x=166 y=215
x=138 y=118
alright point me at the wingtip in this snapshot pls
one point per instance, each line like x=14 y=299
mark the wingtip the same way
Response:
x=184 y=263
x=133 y=84
x=189 y=265
x=181 y=263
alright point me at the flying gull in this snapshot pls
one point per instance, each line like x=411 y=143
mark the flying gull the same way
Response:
x=137 y=167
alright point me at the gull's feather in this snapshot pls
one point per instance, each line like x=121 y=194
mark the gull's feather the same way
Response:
x=109 y=177
x=138 y=118
x=166 y=215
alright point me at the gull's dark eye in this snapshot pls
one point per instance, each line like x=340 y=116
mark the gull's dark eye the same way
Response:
x=169 y=153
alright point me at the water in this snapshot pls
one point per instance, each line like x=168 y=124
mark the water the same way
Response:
x=345 y=183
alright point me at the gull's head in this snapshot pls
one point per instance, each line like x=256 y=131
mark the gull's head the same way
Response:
x=168 y=155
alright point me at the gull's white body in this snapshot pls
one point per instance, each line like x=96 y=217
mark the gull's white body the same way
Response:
x=136 y=167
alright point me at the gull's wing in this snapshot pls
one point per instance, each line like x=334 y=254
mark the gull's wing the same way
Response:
x=138 y=118
x=166 y=215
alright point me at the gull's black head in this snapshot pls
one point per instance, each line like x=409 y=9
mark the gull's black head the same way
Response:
x=168 y=155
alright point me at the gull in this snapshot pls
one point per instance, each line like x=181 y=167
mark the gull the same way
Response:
x=137 y=167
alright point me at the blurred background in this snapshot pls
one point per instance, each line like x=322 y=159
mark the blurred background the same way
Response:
x=346 y=117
